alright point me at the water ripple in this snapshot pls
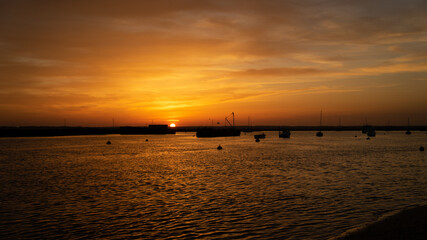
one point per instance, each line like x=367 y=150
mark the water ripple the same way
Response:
x=180 y=187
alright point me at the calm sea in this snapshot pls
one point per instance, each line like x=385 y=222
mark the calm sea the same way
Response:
x=182 y=187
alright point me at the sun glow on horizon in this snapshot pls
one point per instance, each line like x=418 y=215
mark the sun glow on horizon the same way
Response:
x=169 y=64
x=172 y=125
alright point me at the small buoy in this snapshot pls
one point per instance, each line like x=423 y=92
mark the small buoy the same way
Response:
x=422 y=149
x=146 y=140
x=257 y=140
x=108 y=142
x=219 y=147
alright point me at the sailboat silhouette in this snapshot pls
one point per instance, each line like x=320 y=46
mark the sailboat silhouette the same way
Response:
x=408 y=132
x=319 y=133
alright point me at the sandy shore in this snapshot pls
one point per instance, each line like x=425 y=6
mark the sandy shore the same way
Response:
x=407 y=224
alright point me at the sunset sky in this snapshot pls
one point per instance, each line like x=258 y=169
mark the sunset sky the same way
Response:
x=279 y=62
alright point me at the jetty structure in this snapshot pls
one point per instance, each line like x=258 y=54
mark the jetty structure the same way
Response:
x=227 y=131
x=151 y=129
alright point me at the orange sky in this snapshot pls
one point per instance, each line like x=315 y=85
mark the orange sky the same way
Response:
x=187 y=62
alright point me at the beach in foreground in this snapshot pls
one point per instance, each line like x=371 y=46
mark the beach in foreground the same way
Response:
x=408 y=224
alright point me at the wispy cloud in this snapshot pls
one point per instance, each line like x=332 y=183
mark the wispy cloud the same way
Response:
x=155 y=57
x=277 y=72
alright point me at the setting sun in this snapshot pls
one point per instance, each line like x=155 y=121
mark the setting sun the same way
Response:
x=309 y=114
x=277 y=62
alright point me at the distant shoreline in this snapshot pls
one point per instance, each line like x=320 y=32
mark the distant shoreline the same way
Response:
x=407 y=224
x=39 y=131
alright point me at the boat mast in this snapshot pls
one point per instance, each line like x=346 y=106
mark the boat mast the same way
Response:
x=233 y=119
x=226 y=120
x=319 y=133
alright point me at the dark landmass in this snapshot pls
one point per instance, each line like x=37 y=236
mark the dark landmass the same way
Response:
x=151 y=129
x=311 y=128
x=218 y=132
x=410 y=224
x=55 y=131
x=35 y=131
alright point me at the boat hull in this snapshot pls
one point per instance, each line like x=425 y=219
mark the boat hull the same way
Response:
x=285 y=134
x=258 y=136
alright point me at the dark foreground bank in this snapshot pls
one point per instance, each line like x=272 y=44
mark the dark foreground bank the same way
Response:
x=409 y=224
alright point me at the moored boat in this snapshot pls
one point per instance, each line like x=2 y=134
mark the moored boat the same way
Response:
x=285 y=134
x=319 y=133
x=371 y=132
x=408 y=132
x=259 y=136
